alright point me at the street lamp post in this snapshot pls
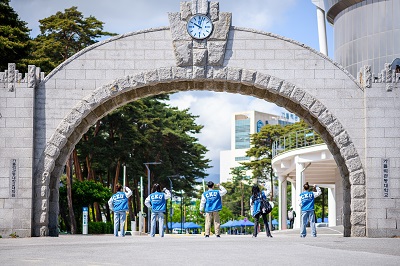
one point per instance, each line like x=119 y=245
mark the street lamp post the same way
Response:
x=148 y=190
x=172 y=195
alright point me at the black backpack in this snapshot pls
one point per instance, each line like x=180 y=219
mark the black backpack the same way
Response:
x=265 y=207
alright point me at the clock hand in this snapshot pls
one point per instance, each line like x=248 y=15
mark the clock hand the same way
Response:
x=197 y=25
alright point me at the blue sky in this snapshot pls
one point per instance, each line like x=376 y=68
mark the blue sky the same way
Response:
x=294 y=19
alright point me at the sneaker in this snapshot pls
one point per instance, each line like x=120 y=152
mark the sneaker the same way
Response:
x=269 y=236
x=207 y=236
x=314 y=236
x=302 y=236
x=218 y=236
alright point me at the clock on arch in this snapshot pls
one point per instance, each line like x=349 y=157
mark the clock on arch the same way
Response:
x=199 y=26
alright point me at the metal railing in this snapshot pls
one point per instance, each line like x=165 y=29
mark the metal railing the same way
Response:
x=295 y=140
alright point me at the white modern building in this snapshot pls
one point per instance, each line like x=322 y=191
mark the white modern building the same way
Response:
x=312 y=163
x=243 y=125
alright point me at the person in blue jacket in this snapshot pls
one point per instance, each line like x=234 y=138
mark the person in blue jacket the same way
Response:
x=211 y=203
x=118 y=203
x=307 y=199
x=158 y=204
x=256 y=211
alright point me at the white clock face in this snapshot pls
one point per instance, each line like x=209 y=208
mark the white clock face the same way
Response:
x=199 y=27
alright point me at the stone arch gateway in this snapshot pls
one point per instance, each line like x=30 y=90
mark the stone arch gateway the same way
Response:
x=124 y=68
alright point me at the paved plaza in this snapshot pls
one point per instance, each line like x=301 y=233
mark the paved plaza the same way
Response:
x=285 y=248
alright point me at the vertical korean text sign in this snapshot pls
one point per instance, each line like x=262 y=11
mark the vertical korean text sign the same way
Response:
x=85 y=220
x=385 y=174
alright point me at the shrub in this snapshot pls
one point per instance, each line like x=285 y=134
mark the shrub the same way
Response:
x=100 y=228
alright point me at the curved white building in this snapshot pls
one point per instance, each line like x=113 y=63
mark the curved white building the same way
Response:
x=315 y=165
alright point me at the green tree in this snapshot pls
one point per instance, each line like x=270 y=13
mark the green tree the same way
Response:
x=232 y=200
x=62 y=35
x=261 y=151
x=240 y=179
x=14 y=37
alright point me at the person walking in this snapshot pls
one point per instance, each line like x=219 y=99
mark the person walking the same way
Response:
x=118 y=203
x=256 y=210
x=211 y=203
x=158 y=204
x=291 y=215
x=307 y=199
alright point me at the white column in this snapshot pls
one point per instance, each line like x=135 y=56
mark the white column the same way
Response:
x=331 y=207
x=294 y=196
x=299 y=185
x=282 y=202
x=323 y=46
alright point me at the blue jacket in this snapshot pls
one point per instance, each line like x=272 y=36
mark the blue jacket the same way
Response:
x=255 y=205
x=157 y=201
x=307 y=199
x=211 y=200
x=119 y=201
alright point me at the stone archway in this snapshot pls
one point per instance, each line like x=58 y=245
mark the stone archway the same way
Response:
x=171 y=79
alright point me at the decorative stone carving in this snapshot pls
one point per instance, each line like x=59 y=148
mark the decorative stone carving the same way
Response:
x=191 y=52
x=11 y=77
x=388 y=72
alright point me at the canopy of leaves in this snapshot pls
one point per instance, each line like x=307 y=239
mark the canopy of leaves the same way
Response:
x=85 y=193
x=261 y=150
x=62 y=35
x=14 y=36
x=143 y=131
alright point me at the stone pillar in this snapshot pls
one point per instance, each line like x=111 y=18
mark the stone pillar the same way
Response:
x=16 y=145
x=331 y=207
x=282 y=202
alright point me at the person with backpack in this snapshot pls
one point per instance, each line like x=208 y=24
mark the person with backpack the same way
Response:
x=259 y=206
x=307 y=199
x=291 y=216
x=158 y=204
x=211 y=203
x=118 y=203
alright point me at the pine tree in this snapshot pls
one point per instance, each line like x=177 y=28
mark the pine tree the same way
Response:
x=62 y=35
x=14 y=37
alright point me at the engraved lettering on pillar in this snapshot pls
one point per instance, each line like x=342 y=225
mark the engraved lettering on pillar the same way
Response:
x=13 y=178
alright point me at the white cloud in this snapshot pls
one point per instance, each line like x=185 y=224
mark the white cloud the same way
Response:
x=215 y=111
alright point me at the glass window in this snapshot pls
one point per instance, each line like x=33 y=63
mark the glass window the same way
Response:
x=242 y=134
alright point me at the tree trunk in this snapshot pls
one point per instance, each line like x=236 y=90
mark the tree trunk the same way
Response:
x=77 y=166
x=89 y=168
x=117 y=170
x=96 y=207
x=69 y=197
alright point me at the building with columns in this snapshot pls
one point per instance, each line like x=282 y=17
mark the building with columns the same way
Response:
x=243 y=125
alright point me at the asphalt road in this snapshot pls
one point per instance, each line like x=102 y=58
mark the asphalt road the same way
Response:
x=285 y=248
